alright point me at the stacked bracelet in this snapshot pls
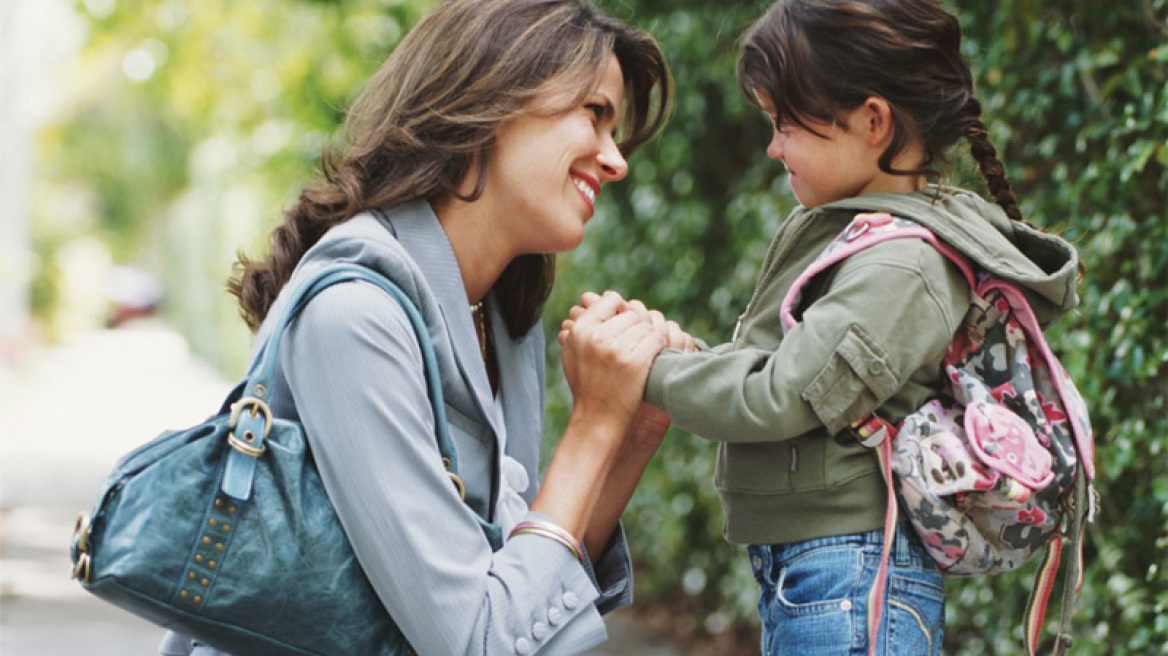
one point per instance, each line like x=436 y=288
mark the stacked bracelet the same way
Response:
x=552 y=532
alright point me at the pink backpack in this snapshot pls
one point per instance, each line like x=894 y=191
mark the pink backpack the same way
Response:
x=1000 y=464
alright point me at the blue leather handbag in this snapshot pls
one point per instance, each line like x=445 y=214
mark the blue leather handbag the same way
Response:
x=224 y=532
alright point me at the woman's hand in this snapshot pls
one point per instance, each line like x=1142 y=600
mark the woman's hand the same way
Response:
x=606 y=359
x=675 y=337
x=609 y=347
x=649 y=424
x=641 y=436
x=607 y=352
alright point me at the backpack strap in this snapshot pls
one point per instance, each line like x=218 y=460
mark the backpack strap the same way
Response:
x=866 y=230
x=1082 y=513
x=877 y=433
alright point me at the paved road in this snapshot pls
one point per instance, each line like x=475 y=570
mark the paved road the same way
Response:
x=66 y=415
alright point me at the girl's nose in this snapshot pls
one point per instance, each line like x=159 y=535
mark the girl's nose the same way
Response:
x=775 y=147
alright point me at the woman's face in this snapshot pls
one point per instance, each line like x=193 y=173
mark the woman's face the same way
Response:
x=546 y=171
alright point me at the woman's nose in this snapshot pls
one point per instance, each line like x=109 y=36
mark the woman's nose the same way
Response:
x=613 y=166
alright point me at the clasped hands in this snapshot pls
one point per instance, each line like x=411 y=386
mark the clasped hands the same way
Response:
x=609 y=344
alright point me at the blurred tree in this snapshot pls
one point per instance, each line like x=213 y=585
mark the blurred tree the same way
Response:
x=193 y=122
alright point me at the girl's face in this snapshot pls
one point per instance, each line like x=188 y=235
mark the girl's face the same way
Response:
x=841 y=164
x=545 y=171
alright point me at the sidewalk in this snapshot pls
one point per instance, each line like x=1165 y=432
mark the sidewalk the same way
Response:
x=66 y=415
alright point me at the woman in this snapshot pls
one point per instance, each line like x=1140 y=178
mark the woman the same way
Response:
x=478 y=148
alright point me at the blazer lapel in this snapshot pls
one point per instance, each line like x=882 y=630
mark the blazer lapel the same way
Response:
x=421 y=234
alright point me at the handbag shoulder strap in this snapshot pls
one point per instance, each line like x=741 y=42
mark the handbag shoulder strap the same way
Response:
x=251 y=418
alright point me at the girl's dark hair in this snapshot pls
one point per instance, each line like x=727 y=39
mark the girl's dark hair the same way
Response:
x=822 y=58
x=427 y=119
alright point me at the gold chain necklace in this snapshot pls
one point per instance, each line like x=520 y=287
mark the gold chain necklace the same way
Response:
x=476 y=313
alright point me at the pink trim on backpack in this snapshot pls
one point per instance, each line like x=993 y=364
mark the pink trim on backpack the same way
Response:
x=865 y=231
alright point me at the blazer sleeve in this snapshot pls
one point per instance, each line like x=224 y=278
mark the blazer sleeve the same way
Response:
x=354 y=369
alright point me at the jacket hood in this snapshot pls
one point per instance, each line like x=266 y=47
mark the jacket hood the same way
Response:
x=1043 y=265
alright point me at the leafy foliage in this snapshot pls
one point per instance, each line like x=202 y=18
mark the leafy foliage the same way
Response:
x=191 y=123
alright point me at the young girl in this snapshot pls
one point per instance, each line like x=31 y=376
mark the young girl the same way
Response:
x=867 y=97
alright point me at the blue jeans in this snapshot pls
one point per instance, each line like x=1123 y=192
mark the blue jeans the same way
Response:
x=814 y=596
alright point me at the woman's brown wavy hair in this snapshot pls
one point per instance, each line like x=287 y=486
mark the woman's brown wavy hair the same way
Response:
x=427 y=119
x=822 y=58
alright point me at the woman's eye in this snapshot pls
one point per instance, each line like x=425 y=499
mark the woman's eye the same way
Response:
x=596 y=109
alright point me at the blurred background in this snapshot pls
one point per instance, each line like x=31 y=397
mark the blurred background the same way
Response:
x=144 y=142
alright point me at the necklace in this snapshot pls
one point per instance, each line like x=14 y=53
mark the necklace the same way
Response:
x=476 y=313
x=478 y=316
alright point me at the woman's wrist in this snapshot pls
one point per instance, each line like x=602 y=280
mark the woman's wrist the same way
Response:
x=551 y=531
x=599 y=424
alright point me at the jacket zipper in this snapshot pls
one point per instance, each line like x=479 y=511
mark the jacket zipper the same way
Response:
x=778 y=249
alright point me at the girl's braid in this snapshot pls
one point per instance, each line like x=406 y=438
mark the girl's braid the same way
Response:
x=986 y=156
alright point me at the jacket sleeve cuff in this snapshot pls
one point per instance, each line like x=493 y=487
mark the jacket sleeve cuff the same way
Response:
x=612 y=576
x=655 y=385
x=613 y=573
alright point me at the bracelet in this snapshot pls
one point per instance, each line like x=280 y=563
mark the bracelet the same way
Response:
x=552 y=532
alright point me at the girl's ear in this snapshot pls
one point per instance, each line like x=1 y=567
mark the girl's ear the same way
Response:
x=877 y=123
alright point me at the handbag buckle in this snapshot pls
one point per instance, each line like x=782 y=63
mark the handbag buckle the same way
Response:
x=455 y=478
x=81 y=537
x=245 y=444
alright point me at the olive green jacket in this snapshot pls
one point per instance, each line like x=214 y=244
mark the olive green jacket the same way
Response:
x=872 y=333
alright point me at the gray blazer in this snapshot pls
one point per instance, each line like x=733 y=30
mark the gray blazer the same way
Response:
x=350 y=369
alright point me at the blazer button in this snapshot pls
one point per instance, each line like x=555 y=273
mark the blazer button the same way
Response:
x=555 y=615
x=522 y=646
x=538 y=630
x=570 y=600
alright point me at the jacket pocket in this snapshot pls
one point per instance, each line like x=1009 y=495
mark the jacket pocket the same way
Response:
x=856 y=380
